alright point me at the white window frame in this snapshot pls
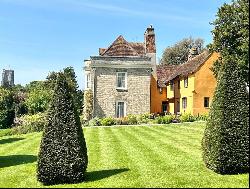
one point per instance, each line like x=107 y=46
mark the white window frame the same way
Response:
x=184 y=105
x=126 y=75
x=88 y=80
x=116 y=108
x=186 y=82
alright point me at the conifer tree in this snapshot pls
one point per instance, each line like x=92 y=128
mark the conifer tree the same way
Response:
x=63 y=154
x=225 y=143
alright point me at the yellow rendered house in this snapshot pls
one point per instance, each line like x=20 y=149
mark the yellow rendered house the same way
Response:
x=185 y=88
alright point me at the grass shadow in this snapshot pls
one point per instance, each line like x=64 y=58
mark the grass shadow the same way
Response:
x=13 y=160
x=99 y=175
x=10 y=140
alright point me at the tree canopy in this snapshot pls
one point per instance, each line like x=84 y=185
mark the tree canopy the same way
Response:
x=178 y=53
x=231 y=34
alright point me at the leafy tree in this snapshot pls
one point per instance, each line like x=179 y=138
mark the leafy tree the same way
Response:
x=226 y=139
x=7 y=112
x=63 y=154
x=231 y=34
x=38 y=101
x=38 y=97
x=178 y=53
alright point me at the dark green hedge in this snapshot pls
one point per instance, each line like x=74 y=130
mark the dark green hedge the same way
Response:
x=63 y=154
x=226 y=139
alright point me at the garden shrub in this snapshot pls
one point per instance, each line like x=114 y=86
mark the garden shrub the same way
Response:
x=62 y=156
x=201 y=117
x=108 y=121
x=30 y=123
x=164 y=119
x=143 y=118
x=168 y=119
x=187 y=117
x=132 y=119
x=121 y=121
x=225 y=143
x=94 y=122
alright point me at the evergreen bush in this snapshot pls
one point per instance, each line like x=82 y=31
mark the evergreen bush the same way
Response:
x=225 y=143
x=63 y=154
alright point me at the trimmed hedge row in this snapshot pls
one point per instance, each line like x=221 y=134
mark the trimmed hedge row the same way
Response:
x=143 y=119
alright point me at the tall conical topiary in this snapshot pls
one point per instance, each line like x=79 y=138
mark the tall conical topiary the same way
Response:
x=63 y=154
x=225 y=143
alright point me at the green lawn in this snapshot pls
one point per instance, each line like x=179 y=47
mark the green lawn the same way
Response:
x=145 y=156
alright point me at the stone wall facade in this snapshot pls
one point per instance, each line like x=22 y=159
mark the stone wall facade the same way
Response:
x=136 y=96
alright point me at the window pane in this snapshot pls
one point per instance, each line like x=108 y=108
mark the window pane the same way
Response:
x=121 y=80
x=88 y=80
x=186 y=82
x=120 y=110
x=184 y=103
x=206 y=102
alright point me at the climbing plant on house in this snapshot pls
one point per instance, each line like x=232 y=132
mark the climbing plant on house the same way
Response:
x=63 y=154
x=88 y=105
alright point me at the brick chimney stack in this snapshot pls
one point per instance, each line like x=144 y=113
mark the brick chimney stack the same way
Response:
x=149 y=40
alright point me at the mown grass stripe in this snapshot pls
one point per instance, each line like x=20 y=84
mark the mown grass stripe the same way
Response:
x=113 y=160
x=150 y=161
x=16 y=146
x=151 y=164
x=159 y=143
x=93 y=148
x=194 y=137
x=180 y=139
x=124 y=157
x=174 y=161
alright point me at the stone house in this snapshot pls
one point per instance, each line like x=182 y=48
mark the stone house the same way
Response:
x=120 y=77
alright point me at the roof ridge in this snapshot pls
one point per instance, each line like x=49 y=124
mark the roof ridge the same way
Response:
x=120 y=37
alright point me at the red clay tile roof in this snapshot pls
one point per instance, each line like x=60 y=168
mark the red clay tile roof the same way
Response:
x=164 y=72
x=120 y=47
x=167 y=73
x=138 y=47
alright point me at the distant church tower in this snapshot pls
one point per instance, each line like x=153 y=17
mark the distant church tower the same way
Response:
x=7 y=78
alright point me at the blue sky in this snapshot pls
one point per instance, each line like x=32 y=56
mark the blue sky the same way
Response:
x=37 y=37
